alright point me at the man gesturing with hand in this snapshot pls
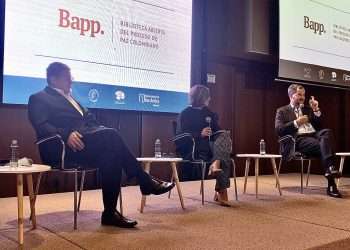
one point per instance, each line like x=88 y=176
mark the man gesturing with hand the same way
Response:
x=303 y=123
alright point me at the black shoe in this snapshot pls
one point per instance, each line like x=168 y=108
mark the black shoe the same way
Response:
x=156 y=187
x=333 y=191
x=117 y=220
x=332 y=173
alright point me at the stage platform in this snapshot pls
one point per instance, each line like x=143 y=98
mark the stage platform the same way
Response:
x=293 y=221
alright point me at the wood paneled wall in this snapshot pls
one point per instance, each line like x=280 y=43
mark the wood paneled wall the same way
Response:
x=245 y=96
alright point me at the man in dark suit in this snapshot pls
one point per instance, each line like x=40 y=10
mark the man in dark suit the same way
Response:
x=54 y=111
x=303 y=123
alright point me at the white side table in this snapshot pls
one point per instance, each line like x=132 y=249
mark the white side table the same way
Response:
x=256 y=158
x=19 y=172
x=342 y=155
x=147 y=161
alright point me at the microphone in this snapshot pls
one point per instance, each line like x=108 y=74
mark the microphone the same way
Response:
x=208 y=120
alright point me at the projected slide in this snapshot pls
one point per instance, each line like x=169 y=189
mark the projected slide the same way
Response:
x=123 y=54
x=315 y=41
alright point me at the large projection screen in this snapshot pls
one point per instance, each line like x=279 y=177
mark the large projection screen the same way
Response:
x=314 y=41
x=123 y=54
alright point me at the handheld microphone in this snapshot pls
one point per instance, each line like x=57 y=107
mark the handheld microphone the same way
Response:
x=208 y=120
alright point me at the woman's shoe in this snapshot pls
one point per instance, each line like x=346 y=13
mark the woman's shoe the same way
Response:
x=221 y=202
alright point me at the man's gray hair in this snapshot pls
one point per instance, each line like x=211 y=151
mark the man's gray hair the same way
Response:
x=293 y=88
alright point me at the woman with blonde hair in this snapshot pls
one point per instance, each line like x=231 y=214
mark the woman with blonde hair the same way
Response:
x=211 y=144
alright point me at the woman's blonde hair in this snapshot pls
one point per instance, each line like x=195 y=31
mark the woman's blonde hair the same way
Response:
x=199 y=95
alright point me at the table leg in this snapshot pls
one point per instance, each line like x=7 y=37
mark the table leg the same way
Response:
x=256 y=176
x=274 y=168
x=246 y=172
x=176 y=178
x=31 y=199
x=341 y=166
x=147 y=168
x=20 y=207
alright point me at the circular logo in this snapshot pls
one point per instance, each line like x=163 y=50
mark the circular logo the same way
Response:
x=119 y=95
x=93 y=95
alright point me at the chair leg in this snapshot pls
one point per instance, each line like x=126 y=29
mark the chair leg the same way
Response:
x=308 y=173
x=302 y=176
x=172 y=179
x=234 y=177
x=82 y=181
x=342 y=160
x=36 y=192
x=121 y=201
x=204 y=167
x=75 y=198
x=200 y=190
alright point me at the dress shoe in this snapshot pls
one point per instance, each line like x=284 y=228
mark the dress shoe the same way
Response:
x=333 y=191
x=117 y=220
x=156 y=187
x=332 y=173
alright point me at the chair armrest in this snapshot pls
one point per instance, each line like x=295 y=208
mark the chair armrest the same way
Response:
x=185 y=145
x=50 y=138
x=285 y=139
x=287 y=147
x=59 y=140
x=181 y=136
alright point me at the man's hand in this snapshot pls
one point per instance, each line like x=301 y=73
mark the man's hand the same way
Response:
x=314 y=104
x=302 y=120
x=206 y=132
x=74 y=141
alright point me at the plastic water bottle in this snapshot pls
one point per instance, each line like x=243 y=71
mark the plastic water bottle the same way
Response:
x=157 y=149
x=14 y=153
x=262 y=147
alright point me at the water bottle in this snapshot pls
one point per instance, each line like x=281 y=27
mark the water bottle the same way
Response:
x=157 y=149
x=262 y=147
x=14 y=153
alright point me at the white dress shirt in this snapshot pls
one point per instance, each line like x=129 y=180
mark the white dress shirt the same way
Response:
x=306 y=128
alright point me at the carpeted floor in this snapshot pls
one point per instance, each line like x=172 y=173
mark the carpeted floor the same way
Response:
x=293 y=221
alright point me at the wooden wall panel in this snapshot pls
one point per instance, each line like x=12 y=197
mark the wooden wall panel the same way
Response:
x=245 y=96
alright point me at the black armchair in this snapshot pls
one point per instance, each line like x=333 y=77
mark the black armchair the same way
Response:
x=52 y=151
x=186 y=148
x=288 y=152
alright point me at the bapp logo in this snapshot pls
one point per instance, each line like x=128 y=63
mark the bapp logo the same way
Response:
x=316 y=27
x=84 y=25
x=93 y=95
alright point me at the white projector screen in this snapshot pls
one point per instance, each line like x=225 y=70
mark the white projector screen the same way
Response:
x=123 y=54
x=315 y=41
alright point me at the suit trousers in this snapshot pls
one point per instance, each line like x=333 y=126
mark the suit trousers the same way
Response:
x=105 y=150
x=317 y=145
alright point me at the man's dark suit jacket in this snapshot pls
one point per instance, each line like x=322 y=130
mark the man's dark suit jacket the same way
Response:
x=284 y=125
x=51 y=113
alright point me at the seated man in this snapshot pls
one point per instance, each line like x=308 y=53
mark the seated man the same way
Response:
x=303 y=123
x=54 y=111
